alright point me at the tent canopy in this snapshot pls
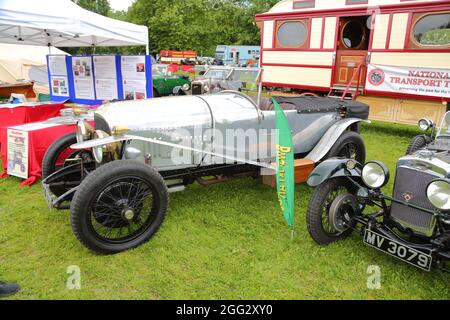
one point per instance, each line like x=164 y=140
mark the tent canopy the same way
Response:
x=17 y=61
x=62 y=23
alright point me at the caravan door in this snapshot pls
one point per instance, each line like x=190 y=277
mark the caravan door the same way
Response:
x=352 y=50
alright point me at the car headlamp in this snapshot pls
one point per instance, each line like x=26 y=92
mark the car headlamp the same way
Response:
x=98 y=151
x=375 y=175
x=186 y=87
x=438 y=192
x=84 y=131
x=206 y=88
x=425 y=124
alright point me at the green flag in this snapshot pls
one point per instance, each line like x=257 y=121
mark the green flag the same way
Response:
x=285 y=165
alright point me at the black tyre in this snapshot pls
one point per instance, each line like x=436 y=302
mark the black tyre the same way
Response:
x=54 y=152
x=155 y=93
x=119 y=206
x=417 y=143
x=351 y=146
x=317 y=214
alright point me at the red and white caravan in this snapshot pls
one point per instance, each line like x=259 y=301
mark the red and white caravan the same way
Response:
x=394 y=54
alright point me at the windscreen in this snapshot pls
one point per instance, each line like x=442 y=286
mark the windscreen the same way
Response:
x=444 y=129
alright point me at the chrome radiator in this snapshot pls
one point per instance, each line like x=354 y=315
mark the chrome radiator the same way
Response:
x=197 y=89
x=410 y=187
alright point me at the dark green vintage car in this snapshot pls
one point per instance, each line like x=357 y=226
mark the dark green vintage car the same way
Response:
x=166 y=84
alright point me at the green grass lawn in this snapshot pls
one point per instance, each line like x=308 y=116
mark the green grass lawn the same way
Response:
x=227 y=241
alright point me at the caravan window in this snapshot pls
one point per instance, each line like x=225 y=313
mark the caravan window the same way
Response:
x=353 y=34
x=432 y=30
x=292 y=34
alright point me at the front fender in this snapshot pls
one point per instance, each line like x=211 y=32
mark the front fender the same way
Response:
x=330 y=137
x=101 y=142
x=332 y=168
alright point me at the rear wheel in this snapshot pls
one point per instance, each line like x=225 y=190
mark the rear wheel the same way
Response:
x=119 y=206
x=350 y=146
x=329 y=212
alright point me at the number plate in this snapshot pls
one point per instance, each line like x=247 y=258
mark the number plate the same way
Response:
x=396 y=249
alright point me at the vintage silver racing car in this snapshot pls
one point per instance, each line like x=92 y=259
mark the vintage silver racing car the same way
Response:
x=413 y=224
x=117 y=184
x=220 y=78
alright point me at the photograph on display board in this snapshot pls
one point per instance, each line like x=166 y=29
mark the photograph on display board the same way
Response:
x=83 y=78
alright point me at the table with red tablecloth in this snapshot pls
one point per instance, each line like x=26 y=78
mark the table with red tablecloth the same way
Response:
x=12 y=115
x=40 y=137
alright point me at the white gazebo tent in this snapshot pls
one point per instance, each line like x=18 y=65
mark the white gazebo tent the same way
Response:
x=62 y=23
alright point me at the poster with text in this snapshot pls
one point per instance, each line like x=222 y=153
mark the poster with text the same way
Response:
x=133 y=67
x=106 y=89
x=17 y=153
x=409 y=80
x=134 y=89
x=57 y=65
x=105 y=67
x=105 y=77
x=83 y=78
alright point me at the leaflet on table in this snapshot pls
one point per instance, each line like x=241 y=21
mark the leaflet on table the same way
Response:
x=17 y=153
x=83 y=78
x=105 y=77
x=134 y=89
x=57 y=65
x=133 y=67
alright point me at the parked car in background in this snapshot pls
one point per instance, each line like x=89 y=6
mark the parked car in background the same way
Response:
x=413 y=224
x=166 y=83
x=219 y=78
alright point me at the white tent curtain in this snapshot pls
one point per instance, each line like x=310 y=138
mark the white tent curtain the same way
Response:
x=62 y=23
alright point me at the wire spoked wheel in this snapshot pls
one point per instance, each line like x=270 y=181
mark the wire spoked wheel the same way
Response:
x=349 y=146
x=123 y=210
x=327 y=224
x=349 y=151
x=119 y=206
x=327 y=216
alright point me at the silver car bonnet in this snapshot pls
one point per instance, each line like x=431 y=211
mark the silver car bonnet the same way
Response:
x=160 y=113
x=428 y=160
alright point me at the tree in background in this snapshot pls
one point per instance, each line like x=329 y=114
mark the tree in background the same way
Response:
x=199 y=25
x=98 y=6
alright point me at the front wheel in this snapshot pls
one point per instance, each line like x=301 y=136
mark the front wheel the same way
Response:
x=57 y=154
x=119 y=206
x=417 y=143
x=330 y=209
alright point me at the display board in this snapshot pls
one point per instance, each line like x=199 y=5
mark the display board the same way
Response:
x=135 y=80
x=58 y=77
x=95 y=79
